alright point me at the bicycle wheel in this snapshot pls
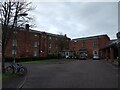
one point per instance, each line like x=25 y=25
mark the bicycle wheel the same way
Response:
x=22 y=71
x=9 y=70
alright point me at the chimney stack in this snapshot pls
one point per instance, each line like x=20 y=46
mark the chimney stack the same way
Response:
x=65 y=35
x=118 y=35
x=27 y=27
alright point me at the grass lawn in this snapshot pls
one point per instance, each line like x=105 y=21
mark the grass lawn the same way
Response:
x=7 y=76
x=56 y=61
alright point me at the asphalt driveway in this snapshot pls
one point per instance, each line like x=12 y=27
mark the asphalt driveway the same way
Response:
x=74 y=74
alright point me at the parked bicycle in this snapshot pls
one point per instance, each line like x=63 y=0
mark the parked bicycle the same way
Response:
x=16 y=68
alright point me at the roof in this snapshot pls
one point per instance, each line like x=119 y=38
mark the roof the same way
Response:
x=91 y=37
x=39 y=32
x=49 y=34
x=111 y=43
x=35 y=31
x=55 y=35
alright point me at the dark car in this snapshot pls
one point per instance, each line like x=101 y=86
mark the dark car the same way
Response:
x=82 y=56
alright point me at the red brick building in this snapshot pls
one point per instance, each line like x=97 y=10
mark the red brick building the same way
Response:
x=31 y=43
x=110 y=50
x=90 y=45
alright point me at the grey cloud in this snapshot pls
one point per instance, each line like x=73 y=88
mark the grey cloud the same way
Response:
x=78 y=19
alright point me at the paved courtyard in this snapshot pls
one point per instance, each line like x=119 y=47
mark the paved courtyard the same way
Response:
x=74 y=74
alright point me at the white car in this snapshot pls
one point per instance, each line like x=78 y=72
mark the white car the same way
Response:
x=96 y=57
x=67 y=57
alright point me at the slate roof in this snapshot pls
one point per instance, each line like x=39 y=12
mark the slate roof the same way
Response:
x=35 y=31
x=0 y=31
x=55 y=35
x=91 y=37
x=49 y=34
x=111 y=43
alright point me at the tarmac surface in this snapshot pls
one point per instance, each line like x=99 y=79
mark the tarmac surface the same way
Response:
x=74 y=74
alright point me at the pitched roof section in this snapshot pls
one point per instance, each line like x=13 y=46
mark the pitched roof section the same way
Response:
x=56 y=35
x=35 y=31
x=49 y=34
x=111 y=43
x=91 y=37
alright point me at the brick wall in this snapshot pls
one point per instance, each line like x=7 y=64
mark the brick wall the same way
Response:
x=88 y=43
x=43 y=45
x=32 y=43
x=57 y=43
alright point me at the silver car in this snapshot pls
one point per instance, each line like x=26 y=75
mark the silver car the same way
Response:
x=96 y=57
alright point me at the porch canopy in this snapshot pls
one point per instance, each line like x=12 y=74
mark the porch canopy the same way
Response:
x=115 y=42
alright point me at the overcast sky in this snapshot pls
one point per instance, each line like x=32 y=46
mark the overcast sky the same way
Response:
x=77 y=19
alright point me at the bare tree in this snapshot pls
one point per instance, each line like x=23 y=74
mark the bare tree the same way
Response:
x=12 y=15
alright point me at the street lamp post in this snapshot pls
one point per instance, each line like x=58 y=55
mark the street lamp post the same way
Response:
x=14 y=33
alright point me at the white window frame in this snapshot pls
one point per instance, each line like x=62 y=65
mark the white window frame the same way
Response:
x=35 y=44
x=14 y=43
x=35 y=53
x=95 y=44
x=50 y=45
x=14 y=52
